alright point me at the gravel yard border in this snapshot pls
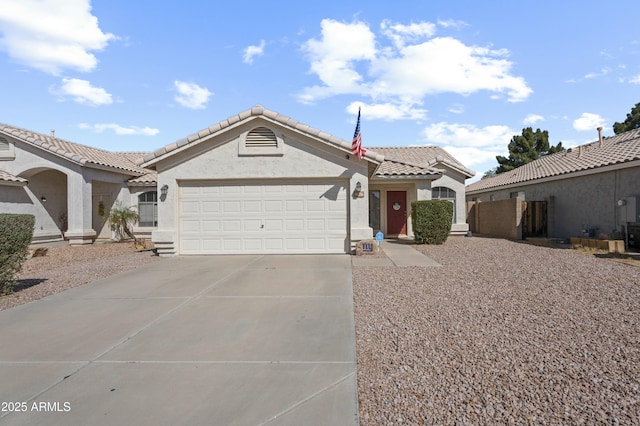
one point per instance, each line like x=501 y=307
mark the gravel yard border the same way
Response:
x=502 y=333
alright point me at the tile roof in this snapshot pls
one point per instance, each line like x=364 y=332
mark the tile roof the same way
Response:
x=9 y=179
x=390 y=168
x=149 y=179
x=256 y=111
x=617 y=149
x=77 y=153
x=427 y=157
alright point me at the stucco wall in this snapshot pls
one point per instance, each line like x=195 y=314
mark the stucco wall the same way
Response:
x=588 y=201
x=456 y=181
x=219 y=159
x=69 y=188
x=497 y=218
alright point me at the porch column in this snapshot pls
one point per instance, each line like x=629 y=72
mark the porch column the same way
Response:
x=79 y=207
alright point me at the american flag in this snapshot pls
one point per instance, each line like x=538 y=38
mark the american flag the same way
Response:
x=356 y=145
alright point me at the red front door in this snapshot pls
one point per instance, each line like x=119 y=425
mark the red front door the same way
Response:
x=396 y=212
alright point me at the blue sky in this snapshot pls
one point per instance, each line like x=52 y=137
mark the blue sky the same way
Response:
x=463 y=75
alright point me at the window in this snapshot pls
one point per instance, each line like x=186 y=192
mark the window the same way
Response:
x=443 y=193
x=374 y=210
x=148 y=208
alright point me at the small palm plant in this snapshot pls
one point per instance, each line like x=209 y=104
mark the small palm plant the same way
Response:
x=122 y=219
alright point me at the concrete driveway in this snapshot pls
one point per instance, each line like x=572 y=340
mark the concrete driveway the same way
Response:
x=221 y=340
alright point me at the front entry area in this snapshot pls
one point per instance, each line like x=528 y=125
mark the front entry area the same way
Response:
x=257 y=217
x=397 y=212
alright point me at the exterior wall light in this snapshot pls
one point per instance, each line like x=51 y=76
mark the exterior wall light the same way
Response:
x=164 y=190
x=43 y=199
x=357 y=192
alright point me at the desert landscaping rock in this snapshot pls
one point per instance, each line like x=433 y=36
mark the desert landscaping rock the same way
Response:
x=503 y=333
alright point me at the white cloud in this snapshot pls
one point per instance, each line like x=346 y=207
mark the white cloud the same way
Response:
x=401 y=34
x=470 y=144
x=333 y=58
x=456 y=109
x=119 y=130
x=190 y=95
x=635 y=80
x=588 y=122
x=532 y=119
x=252 y=51
x=52 y=35
x=450 y=23
x=601 y=73
x=83 y=92
x=388 y=111
x=348 y=59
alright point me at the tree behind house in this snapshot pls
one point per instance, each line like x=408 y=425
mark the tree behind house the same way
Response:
x=526 y=148
x=631 y=123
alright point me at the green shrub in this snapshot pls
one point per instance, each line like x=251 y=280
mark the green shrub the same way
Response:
x=431 y=221
x=16 y=231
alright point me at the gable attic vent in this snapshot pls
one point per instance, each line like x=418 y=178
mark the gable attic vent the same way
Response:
x=4 y=144
x=261 y=137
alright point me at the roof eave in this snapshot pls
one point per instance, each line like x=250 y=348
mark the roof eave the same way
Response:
x=568 y=175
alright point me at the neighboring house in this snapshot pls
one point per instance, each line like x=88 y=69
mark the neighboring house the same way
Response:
x=257 y=182
x=68 y=187
x=593 y=188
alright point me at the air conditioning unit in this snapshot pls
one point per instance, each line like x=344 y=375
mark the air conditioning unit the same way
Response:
x=629 y=209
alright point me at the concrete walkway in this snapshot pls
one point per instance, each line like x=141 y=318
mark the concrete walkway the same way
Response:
x=399 y=253
x=221 y=340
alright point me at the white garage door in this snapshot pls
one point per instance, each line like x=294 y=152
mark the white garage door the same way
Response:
x=254 y=217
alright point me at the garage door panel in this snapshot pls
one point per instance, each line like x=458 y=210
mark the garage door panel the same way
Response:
x=315 y=206
x=252 y=206
x=252 y=244
x=294 y=206
x=336 y=224
x=230 y=225
x=231 y=207
x=294 y=225
x=254 y=217
x=273 y=206
x=251 y=225
x=190 y=225
x=190 y=207
x=210 y=225
x=273 y=225
x=231 y=189
x=273 y=244
x=210 y=244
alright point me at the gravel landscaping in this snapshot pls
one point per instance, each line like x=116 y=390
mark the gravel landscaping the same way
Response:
x=502 y=333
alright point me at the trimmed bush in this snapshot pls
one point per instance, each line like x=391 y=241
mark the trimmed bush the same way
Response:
x=16 y=231
x=431 y=221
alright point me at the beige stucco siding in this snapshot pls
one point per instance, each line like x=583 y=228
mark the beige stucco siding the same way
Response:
x=218 y=159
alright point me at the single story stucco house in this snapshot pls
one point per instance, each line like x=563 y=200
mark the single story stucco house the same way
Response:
x=257 y=182
x=591 y=189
